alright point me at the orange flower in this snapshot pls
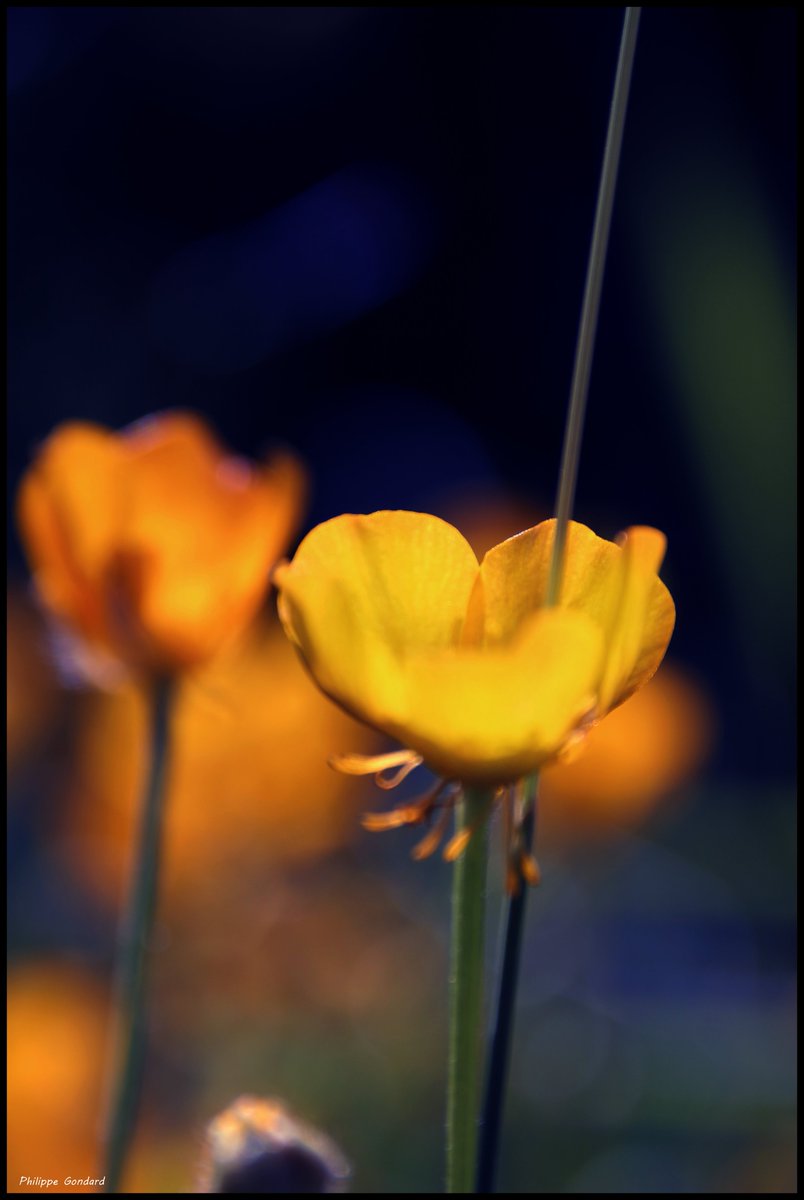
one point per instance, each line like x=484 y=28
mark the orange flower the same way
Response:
x=153 y=545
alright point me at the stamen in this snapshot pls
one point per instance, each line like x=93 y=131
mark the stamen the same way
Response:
x=458 y=843
x=429 y=844
x=387 y=783
x=520 y=863
x=363 y=764
x=407 y=814
x=378 y=822
x=529 y=869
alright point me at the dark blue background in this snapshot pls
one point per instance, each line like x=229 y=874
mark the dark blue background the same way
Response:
x=363 y=232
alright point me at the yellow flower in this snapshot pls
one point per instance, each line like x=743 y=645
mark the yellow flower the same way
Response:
x=153 y=545
x=462 y=662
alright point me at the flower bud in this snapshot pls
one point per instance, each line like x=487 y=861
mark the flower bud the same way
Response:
x=256 y=1146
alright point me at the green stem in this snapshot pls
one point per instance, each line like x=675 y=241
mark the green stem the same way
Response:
x=466 y=991
x=132 y=958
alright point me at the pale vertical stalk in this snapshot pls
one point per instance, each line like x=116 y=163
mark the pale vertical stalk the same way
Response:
x=128 y=1050
x=503 y=1024
x=466 y=978
x=573 y=433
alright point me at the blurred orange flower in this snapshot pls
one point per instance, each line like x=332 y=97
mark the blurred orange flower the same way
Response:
x=154 y=544
x=57 y=1029
x=243 y=786
x=644 y=750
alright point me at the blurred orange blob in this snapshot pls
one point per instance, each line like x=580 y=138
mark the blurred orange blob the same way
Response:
x=32 y=692
x=57 y=1030
x=628 y=763
x=248 y=779
x=153 y=545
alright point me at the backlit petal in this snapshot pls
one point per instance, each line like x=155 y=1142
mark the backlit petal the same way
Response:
x=643 y=618
x=617 y=587
x=365 y=593
x=492 y=714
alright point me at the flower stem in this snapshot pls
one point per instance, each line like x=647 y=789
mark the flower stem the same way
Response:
x=501 y=1037
x=466 y=991
x=132 y=960
x=503 y=1023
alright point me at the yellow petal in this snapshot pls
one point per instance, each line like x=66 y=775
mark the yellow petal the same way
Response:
x=364 y=593
x=617 y=587
x=642 y=620
x=516 y=572
x=491 y=714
